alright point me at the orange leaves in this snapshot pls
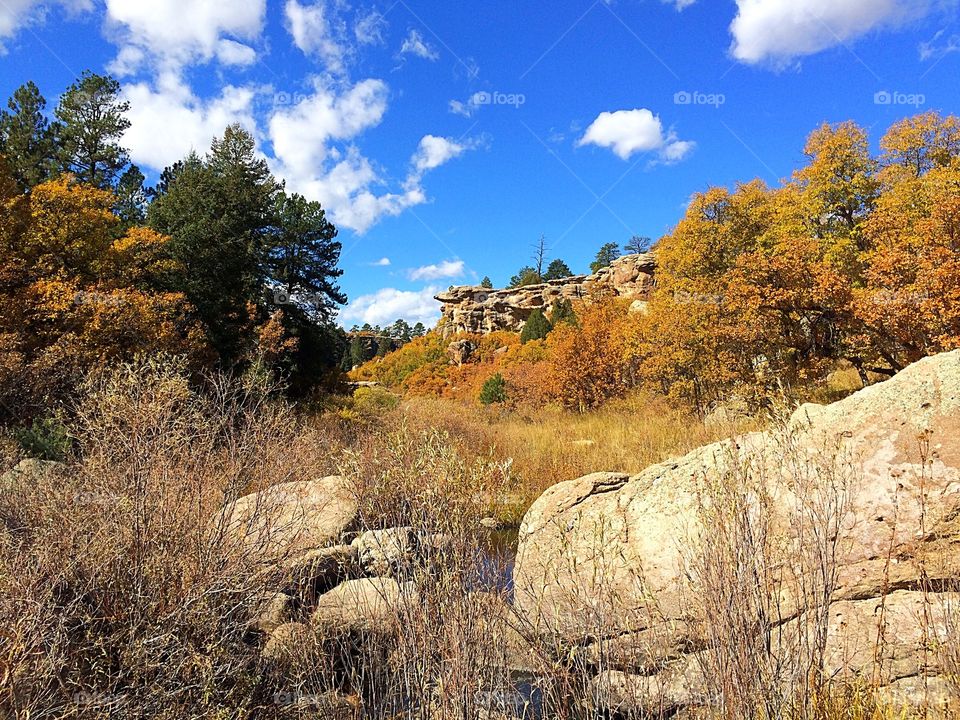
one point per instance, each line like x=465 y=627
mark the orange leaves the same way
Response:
x=76 y=297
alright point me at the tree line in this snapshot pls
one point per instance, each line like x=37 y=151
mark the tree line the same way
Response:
x=541 y=271
x=217 y=262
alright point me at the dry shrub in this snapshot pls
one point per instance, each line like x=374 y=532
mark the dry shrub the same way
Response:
x=118 y=597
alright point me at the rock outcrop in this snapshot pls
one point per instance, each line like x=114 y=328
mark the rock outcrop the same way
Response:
x=474 y=309
x=846 y=520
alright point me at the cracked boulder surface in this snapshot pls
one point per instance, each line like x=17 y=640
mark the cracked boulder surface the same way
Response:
x=612 y=562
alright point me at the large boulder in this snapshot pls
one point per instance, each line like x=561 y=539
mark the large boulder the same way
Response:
x=389 y=551
x=846 y=503
x=365 y=605
x=291 y=518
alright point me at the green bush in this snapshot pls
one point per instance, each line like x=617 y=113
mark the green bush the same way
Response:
x=562 y=311
x=374 y=400
x=535 y=328
x=45 y=439
x=494 y=390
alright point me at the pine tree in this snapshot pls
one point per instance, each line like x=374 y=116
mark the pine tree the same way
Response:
x=25 y=138
x=562 y=312
x=131 y=205
x=92 y=119
x=535 y=328
x=494 y=390
x=486 y=283
x=557 y=270
x=605 y=255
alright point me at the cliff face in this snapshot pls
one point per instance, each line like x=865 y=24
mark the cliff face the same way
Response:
x=474 y=309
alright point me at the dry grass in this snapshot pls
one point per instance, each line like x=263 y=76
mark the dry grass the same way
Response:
x=549 y=445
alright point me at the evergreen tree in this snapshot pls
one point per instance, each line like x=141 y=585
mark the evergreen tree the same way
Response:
x=419 y=330
x=92 y=119
x=219 y=212
x=557 y=269
x=535 y=328
x=303 y=254
x=605 y=255
x=131 y=206
x=526 y=276
x=358 y=353
x=25 y=138
x=494 y=390
x=486 y=283
x=562 y=311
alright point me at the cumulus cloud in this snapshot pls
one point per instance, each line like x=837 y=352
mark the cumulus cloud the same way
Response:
x=17 y=14
x=434 y=151
x=167 y=120
x=314 y=150
x=414 y=44
x=387 y=304
x=627 y=132
x=782 y=30
x=179 y=32
x=437 y=271
x=318 y=31
x=382 y=262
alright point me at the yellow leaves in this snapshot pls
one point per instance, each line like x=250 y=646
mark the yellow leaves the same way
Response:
x=915 y=145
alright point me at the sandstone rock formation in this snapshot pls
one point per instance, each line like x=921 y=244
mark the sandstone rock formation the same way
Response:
x=845 y=522
x=474 y=309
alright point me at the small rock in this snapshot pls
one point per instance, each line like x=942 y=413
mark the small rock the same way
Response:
x=386 y=552
x=288 y=642
x=272 y=611
x=317 y=571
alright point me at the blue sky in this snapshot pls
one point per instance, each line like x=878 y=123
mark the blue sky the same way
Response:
x=444 y=138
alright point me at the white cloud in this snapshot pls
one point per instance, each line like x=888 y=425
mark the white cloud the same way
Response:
x=679 y=4
x=301 y=133
x=939 y=46
x=369 y=28
x=180 y=32
x=387 y=304
x=17 y=14
x=434 y=151
x=782 y=30
x=437 y=271
x=414 y=44
x=628 y=132
x=167 y=121
x=318 y=31
x=230 y=52
x=382 y=262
